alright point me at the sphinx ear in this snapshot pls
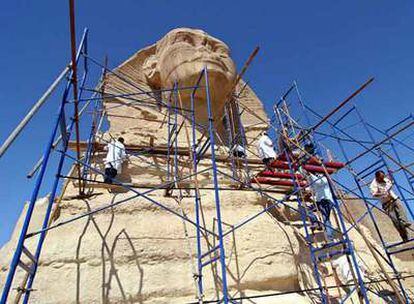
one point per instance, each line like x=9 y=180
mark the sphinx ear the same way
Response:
x=151 y=71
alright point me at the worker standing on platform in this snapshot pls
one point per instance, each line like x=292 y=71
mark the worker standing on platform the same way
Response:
x=114 y=159
x=266 y=151
x=381 y=188
x=324 y=201
x=238 y=151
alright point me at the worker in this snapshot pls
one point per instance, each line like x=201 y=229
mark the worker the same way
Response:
x=114 y=159
x=344 y=271
x=238 y=151
x=290 y=146
x=381 y=188
x=324 y=202
x=266 y=151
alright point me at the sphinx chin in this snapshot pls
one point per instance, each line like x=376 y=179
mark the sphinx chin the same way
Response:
x=187 y=75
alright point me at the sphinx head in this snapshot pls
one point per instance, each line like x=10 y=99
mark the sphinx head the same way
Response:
x=180 y=56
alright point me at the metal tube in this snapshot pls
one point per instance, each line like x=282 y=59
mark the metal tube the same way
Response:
x=57 y=141
x=45 y=223
x=343 y=103
x=343 y=116
x=379 y=144
x=32 y=112
x=398 y=123
x=137 y=194
x=197 y=201
x=216 y=192
x=25 y=227
x=75 y=84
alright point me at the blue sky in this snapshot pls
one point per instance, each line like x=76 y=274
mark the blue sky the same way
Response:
x=329 y=47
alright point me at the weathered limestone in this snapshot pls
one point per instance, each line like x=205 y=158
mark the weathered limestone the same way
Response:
x=138 y=252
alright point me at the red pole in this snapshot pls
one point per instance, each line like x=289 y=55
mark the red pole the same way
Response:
x=75 y=85
x=343 y=103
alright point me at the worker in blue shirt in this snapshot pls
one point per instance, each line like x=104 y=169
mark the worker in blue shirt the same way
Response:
x=324 y=201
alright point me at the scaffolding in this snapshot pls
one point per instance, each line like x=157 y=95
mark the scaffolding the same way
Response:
x=292 y=127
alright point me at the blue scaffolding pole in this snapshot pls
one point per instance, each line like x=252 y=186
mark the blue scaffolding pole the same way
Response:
x=21 y=249
x=197 y=155
x=328 y=249
x=356 y=177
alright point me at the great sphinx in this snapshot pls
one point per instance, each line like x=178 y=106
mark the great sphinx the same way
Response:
x=137 y=252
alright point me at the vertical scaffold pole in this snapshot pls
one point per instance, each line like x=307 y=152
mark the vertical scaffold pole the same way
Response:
x=82 y=47
x=169 y=141
x=197 y=199
x=381 y=156
x=244 y=144
x=303 y=215
x=384 y=161
x=176 y=170
x=75 y=86
x=216 y=189
x=46 y=221
x=350 y=246
x=30 y=209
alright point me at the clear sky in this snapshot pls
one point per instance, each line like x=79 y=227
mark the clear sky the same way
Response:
x=329 y=47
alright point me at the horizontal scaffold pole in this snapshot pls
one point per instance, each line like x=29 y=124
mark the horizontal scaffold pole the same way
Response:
x=379 y=144
x=13 y=135
x=137 y=194
x=343 y=103
x=160 y=150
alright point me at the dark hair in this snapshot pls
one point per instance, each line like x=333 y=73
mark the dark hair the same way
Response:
x=310 y=148
x=121 y=139
x=377 y=174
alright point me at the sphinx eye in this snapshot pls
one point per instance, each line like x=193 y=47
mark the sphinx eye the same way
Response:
x=184 y=38
x=221 y=49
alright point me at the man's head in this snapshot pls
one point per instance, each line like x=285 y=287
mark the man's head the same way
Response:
x=121 y=140
x=310 y=148
x=380 y=176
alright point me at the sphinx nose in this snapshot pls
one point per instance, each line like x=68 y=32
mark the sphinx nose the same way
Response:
x=203 y=49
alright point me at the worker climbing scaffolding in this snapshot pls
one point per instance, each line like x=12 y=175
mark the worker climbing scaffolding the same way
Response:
x=323 y=201
x=300 y=155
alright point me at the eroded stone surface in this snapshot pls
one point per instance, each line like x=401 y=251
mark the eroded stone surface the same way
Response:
x=139 y=252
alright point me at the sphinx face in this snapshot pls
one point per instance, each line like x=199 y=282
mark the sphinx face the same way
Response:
x=181 y=55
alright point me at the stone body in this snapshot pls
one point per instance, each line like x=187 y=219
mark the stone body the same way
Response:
x=138 y=252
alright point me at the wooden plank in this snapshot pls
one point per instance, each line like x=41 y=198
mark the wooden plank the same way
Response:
x=157 y=150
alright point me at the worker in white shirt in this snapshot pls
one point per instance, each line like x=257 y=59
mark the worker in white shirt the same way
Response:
x=114 y=159
x=324 y=201
x=266 y=151
x=343 y=270
x=238 y=151
x=381 y=188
